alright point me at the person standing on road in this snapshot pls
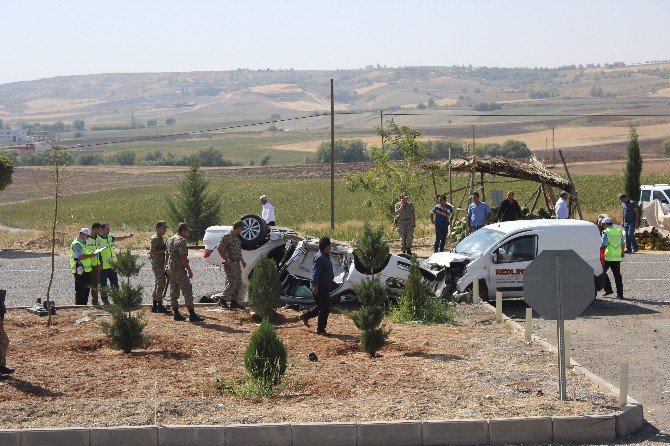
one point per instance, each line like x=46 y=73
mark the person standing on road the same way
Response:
x=405 y=222
x=322 y=279
x=81 y=266
x=180 y=274
x=230 y=250
x=268 y=211
x=4 y=340
x=561 y=207
x=440 y=216
x=630 y=217
x=479 y=214
x=509 y=209
x=613 y=242
x=107 y=273
x=92 y=245
x=157 y=255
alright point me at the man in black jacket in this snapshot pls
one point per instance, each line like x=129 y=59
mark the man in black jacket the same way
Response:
x=322 y=279
x=509 y=209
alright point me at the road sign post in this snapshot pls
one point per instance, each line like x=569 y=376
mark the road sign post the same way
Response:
x=559 y=285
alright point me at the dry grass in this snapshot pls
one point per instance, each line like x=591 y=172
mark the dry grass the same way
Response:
x=308 y=106
x=276 y=88
x=369 y=88
x=474 y=369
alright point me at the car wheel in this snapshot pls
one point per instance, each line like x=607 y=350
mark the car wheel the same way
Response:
x=255 y=233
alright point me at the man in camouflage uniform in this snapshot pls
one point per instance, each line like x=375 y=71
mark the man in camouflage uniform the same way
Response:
x=180 y=274
x=4 y=340
x=230 y=250
x=157 y=255
x=405 y=221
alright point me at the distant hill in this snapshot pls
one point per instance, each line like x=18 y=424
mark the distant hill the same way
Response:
x=201 y=97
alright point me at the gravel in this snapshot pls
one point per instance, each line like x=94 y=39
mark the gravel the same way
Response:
x=25 y=276
x=635 y=330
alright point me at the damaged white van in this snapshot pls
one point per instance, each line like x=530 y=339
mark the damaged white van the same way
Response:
x=498 y=254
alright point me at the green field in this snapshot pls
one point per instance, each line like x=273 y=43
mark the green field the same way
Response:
x=300 y=204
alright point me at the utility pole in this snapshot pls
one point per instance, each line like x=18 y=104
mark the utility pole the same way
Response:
x=381 y=125
x=553 y=144
x=132 y=117
x=473 y=138
x=332 y=156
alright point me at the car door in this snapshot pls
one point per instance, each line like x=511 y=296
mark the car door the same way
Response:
x=509 y=262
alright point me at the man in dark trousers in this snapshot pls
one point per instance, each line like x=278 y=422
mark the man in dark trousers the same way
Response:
x=4 y=340
x=613 y=242
x=322 y=278
x=509 y=209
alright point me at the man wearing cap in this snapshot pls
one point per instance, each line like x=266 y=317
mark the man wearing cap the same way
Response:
x=230 y=250
x=630 y=217
x=405 y=222
x=180 y=274
x=157 y=255
x=92 y=245
x=81 y=266
x=107 y=255
x=561 y=207
x=613 y=242
x=268 y=211
x=479 y=214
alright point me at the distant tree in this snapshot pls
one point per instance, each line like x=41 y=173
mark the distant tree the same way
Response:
x=487 y=106
x=6 y=172
x=275 y=117
x=265 y=159
x=58 y=126
x=78 y=124
x=125 y=158
x=440 y=149
x=1 y=124
x=421 y=106
x=346 y=151
x=633 y=167
x=431 y=103
x=665 y=147
x=194 y=204
x=152 y=123
x=209 y=157
x=170 y=121
x=89 y=159
x=597 y=92
x=78 y=135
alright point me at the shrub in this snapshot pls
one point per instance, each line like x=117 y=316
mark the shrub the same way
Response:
x=417 y=303
x=265 y=358
x=265 y=288
x=125 y=331
x=665 y=147
x=125 y=264
x=371 y=249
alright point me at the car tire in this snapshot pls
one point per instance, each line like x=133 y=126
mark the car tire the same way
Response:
x=255 y=234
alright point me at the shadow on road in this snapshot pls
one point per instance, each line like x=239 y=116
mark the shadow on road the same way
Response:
x=516 y=309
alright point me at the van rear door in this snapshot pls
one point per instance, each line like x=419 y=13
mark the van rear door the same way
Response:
x=509 y=262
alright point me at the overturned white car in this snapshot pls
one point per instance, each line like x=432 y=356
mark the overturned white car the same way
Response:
x=294 y=255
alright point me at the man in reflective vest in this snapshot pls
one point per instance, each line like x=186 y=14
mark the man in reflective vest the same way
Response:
x=107 y=273
x=614 y=244
x=92 y=245
x=80 y=265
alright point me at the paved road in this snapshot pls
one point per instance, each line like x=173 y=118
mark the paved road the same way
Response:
x=25 y=276
x=636 y=330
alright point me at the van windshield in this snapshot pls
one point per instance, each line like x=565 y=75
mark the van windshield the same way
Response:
x=479 y=241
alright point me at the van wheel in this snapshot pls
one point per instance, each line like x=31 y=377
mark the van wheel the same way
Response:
x=255 y=233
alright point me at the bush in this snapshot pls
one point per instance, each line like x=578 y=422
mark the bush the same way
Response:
x=373 y=340
x=417 y=303
x=6 y=171
x=125 y=264
x=125 y=332
x=125 y=158
x=265 y=288
x=371 y=249
x=89 y=159
x=346 y=151
x=265 y=358
x=509 y=149
x=665 y=147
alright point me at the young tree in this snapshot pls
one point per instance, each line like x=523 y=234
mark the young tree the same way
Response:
x=372 y=251
x=195 y=205
x=633 y=167
x=386 y=180
x=152 y=123
x=125 y=332
x=6 y=172
x=78 y=124
x=170 y=121
x=265 y=288
x=266 y=358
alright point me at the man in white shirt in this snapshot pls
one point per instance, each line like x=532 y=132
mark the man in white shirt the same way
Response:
x=561 y=208
x=268 y=212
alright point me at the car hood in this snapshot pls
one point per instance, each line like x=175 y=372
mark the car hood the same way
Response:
x=445 y=259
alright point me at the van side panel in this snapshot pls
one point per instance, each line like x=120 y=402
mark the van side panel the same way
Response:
x=585 y=241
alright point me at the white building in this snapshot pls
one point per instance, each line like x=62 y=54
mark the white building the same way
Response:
x=12 y=134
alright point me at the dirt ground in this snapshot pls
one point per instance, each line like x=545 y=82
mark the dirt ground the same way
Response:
x=68 y=376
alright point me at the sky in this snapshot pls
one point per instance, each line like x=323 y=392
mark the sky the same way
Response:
x=44 y=38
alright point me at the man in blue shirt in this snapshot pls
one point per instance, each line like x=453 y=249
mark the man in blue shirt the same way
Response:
x=479 y=214
x=440 y=216
x=322 y=279
x=630 y=217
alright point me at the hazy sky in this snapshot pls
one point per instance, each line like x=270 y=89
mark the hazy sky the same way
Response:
x=50 y=38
